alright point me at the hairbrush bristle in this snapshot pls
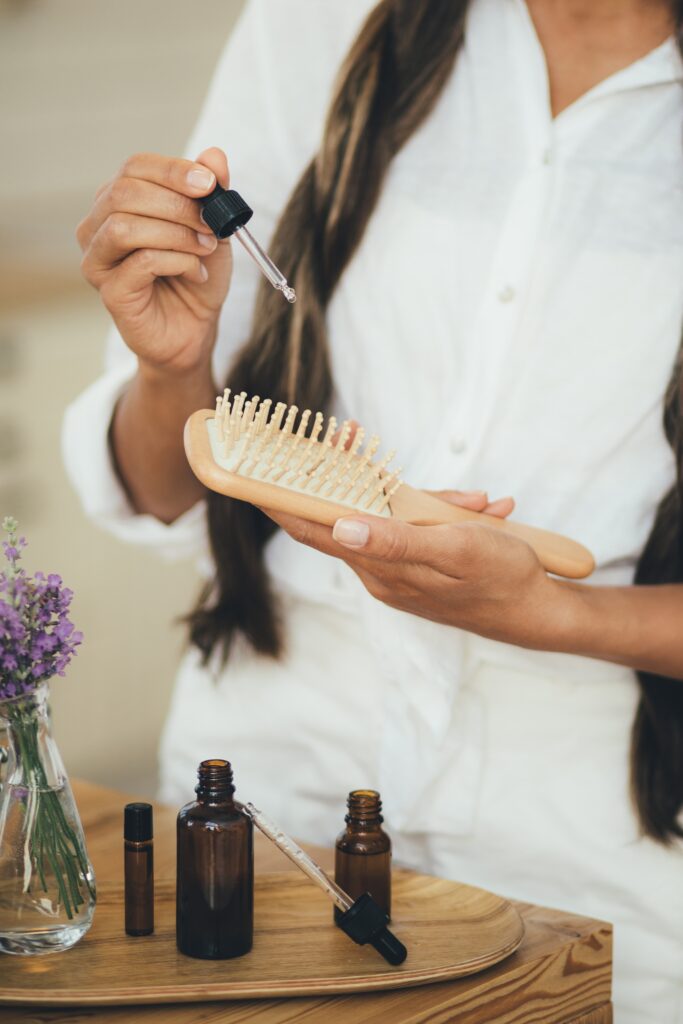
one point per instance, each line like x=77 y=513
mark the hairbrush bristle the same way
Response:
x=287 y=461
x=253 y=440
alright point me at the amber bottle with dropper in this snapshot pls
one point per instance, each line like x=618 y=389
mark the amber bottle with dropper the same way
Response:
x=362 y=861
x=215 y=880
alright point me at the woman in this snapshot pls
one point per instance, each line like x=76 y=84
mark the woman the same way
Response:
x=487 y=249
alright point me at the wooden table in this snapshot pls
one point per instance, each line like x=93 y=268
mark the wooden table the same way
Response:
x=560 y=975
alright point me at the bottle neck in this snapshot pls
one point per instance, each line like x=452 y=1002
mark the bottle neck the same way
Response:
x=215 y=785
x=364 y=811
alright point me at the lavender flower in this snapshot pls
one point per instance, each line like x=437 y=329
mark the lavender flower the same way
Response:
x=37 y=637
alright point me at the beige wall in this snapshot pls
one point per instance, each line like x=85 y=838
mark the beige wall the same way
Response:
x=82 y=84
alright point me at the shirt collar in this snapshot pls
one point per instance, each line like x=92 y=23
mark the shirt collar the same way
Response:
x=660 y=66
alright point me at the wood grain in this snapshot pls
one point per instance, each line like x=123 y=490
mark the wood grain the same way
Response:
x=601 y=1015
x=561 y=974
x=450 y=930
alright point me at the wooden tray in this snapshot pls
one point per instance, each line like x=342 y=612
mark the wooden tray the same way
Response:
x=450 y=930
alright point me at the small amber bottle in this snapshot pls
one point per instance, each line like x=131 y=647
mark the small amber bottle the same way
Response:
x=362 y=860
x=138 y=868
x=215 y=880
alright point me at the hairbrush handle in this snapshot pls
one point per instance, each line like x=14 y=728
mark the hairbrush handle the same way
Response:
x=557 y=554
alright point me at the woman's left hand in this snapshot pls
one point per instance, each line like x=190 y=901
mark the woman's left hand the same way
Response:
x=466 y=575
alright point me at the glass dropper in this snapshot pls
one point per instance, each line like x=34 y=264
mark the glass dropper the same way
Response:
x=263 y=260
x=226 y=213
x=299 y=857
x=362 y=919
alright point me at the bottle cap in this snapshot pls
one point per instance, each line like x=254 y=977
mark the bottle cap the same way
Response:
x=137 y=823
x=224 y=211
x=365 y=922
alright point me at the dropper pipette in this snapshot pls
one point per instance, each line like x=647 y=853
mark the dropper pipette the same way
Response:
x=299 y=857
x=362 y=919
x=226 y=213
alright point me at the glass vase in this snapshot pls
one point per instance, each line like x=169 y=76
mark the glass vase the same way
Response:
x=47 y=885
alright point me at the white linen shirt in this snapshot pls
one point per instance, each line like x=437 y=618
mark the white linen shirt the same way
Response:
x=508 y=322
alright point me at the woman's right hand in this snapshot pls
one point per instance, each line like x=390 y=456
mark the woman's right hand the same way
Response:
x=160 y=272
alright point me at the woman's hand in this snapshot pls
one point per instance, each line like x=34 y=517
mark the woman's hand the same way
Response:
x=160 y=272
x=464 y=575
x=163 y=277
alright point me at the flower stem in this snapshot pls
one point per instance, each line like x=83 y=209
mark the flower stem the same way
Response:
x=51 y=840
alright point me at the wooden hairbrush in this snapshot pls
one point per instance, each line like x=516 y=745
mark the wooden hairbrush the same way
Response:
x=249 y=450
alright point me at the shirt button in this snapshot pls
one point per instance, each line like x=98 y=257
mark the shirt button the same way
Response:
x=506 y=294
x=458 y=444
x=547 y=157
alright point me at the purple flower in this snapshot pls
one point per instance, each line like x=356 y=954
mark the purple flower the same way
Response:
x=63 y=629
x=37 y=638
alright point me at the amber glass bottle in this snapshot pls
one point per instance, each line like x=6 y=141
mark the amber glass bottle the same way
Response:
x=362 y=860
x=138 y=868
x=215 y=883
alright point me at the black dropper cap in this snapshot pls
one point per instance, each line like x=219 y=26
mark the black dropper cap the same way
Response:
x=137 y=823
x=224 y=211
x=366 y=922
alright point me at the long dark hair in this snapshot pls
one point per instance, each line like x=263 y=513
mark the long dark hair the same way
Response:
x=388 y=84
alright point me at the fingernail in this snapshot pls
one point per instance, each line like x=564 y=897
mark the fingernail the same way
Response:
x=208 y=241
x=201 y=177
x=351 y=532
x=479 y=494
x=203 y=272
